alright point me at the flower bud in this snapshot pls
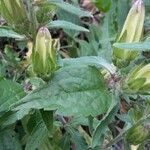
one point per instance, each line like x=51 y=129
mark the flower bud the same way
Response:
x=139 y=133
x=138 y=80
x=131 y=32
x=14 y=13
x=44 y=56
x=136 y=135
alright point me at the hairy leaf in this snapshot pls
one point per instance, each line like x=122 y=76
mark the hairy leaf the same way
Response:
x=78 y=90
x=77 y=139
x=71 y=8
x=66 y=25
x=7 y=32
x=103 y=5
x=10 y=117
x=9 y=140
x=103 y=124
x=96 y=61
x=37 y=136
x=10 y=92
x=145 y=46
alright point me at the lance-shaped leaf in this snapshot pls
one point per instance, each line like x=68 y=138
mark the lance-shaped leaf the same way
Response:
x=73 y=90
x=70 y=8
x=7 y=32
x=9 y=140
x=10 y=92
x=96 y=61
x=138 y=46
x=66 y=25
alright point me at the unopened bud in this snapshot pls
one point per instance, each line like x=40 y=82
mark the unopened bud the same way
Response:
x=136 y=135
x=44 y=56
x=131 y=32
x=139 y=133
x=138 y=80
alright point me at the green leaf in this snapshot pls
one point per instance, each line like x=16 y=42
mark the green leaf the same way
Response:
x=77 y=139
x=102 y=126
x=98 y=41
x=90 y=47
x=64 y=15
x=66 y=25
x=145 y=46
x=9 y=140
x=85 y=48
x=47 y=117
x=10 y=92
x=9 y=117
x=30 y=122
x=7 y=32
x=147 y=2
x=65 y=142
x=71 y=8
x=122 y=9
x=78 y=90
x=96 y=61
x=37 y=136
x=36 y=82
x=103 y=5
x=106 y=50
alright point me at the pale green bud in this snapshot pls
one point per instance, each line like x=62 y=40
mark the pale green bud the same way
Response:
x=136 y=135
x=131 y=32
x=138 y=80
x=44 y=56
